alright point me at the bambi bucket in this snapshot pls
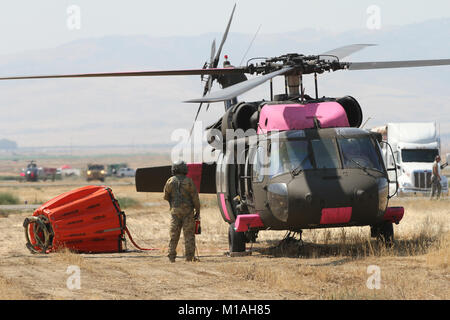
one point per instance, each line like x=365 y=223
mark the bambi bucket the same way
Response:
x=85 y=220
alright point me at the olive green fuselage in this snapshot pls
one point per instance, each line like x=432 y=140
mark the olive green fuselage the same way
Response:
x=289 y=180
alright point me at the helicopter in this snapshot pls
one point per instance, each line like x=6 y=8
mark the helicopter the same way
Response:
x=31 y=173
x=298 y=162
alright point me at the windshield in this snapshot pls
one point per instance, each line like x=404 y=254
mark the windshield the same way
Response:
x=96 y=167
x=298 y=155
x=289 y=155
x=325 y=153
x=419 y=155
x=359 y=152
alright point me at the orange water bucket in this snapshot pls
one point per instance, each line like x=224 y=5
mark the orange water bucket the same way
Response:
x=85 y=220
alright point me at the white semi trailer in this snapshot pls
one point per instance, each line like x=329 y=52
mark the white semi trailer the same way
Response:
x=415 y=146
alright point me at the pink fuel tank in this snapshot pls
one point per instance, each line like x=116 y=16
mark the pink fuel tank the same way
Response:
x=298 y=117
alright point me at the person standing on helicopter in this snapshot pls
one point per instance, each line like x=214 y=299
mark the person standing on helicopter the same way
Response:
x=182 y=195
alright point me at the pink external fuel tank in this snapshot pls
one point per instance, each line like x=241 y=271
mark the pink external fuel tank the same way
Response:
x=282 y=117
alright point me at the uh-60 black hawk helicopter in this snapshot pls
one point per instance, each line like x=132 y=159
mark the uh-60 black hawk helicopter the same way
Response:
x=307 y=164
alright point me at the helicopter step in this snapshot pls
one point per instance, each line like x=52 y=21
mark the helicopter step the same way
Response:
x=236 y=239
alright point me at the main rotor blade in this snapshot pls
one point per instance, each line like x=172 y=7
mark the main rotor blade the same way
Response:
x=187 y=72
x=196 y=116
x=345 y=51
x=213 y=51
x=208 y=86
x=225 y=35
x=397 y=64
x=213 y=62
x=206 y=90
x=239 y=88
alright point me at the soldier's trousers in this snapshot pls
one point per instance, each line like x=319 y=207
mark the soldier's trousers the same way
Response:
x=435 y=188
x=185 y=222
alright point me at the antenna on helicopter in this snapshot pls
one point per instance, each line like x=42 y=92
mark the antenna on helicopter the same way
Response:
x=251 y=44
x=366 y=122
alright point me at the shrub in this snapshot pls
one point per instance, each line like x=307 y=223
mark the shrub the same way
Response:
x=10 y=178
x=126 y=202
x=8 y=198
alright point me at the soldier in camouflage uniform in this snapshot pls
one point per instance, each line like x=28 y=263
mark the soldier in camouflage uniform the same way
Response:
x=182 y=195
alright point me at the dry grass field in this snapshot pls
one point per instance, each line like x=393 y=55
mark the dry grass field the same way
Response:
x=333 y=263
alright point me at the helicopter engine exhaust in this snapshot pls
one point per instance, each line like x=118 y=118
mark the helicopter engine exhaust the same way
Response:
x=241 y=116
x=352 y=109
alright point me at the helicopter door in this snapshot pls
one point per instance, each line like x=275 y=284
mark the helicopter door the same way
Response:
x=240 y=174
x=237 y=183
x=391 y=167
x=222 y=188
x=248 y=174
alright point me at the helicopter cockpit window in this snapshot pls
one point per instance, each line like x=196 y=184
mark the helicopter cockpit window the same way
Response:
x=286 y=156
x=359 y=152
x=259 y=162
x=325 y=154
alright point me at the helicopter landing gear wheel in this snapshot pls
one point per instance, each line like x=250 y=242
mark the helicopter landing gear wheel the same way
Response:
x=384 y=232
x=236 y=240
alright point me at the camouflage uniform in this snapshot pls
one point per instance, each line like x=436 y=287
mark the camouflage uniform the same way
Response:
x=436 y=187
x=182 y=195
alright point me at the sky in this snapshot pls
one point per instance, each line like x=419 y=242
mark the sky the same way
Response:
x=73 y=111
x=30 y=25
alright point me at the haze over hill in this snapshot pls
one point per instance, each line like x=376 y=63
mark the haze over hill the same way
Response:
x=128 y=111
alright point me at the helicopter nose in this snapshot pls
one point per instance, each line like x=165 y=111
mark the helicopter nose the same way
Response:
x=308 y=199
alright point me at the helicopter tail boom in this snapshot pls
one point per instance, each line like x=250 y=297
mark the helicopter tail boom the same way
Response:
x=153 y=179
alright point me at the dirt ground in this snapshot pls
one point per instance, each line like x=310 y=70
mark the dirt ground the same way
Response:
x=333 y=263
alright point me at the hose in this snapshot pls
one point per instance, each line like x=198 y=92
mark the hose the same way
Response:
x=134 y=243
x=40 y=224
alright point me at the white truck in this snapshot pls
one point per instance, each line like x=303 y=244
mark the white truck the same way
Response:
x=414 y=146
x=125 y=172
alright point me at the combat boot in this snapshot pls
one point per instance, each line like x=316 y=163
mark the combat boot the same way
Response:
x=192 y=259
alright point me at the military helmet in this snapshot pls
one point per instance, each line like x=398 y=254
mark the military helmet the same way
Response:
x=179 y=167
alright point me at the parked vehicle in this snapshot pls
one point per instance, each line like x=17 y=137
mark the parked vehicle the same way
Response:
x=48 y=173
x=68 y=171
x=95 y=172
x=415 y=146
x=31 y=173
x=34 y=173
x=125 y=172
x=113 y=168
